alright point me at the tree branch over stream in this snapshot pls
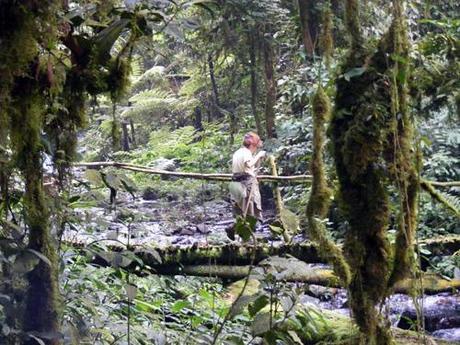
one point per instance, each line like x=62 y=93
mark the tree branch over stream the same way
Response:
x=220 y=177
x=198 y=176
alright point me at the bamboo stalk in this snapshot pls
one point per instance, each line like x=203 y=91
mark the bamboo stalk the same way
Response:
x=199 y=176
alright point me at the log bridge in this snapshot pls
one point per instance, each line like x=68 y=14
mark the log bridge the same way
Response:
x=232 y=261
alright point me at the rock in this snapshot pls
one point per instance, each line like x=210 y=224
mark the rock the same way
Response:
x=440 y=311
x=202 y=228
x=186 y=232
x=309 y=300
x=172 y=197
x=451 y=334
x=322 y=292
x=149 y=193
x=164 y=164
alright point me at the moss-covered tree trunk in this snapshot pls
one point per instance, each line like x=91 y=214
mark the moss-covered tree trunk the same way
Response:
x=41 y=310
x=371 y=144
x=270 y=88
x=320 y=193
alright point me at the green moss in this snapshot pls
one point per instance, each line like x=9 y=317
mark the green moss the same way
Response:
x=118 y=78
x=364 y=130
x=27 y=120
x=320 y=194
x=326 y=40
x=405 y=167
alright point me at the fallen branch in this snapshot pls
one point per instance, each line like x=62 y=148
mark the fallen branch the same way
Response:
x=429 y=187
x=198 y=176
x=325 y=277
x=443 y=184
x=238 y=254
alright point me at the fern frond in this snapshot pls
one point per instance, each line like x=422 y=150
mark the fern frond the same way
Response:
x=150 y=77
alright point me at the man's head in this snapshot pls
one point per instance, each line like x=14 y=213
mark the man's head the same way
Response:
x=252 y=141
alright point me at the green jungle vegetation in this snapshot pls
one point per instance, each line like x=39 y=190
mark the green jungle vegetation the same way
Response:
x=361 y=96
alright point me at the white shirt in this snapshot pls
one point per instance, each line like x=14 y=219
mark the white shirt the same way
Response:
x=244 y=162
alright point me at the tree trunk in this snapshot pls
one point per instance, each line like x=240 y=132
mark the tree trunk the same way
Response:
x=197 y=119
x=238 y=253
x=270 y=89
x=125 y=136
x=308 y=37
x=215 y=93
x=41 y=312
x=116 y=131
x=133 y=132
x=253 y=68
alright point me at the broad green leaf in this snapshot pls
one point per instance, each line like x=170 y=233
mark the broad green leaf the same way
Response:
x=105 y=39
x=94 y=177
x=112 y=180
x=258 y=305
x=238 y=306
x=145 y=306
x=179 y=305
x=245 y=227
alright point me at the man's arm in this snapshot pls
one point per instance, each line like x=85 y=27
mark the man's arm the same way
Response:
x=255 y=161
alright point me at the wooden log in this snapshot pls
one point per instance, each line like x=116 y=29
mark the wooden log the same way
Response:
x=311 y=276
x=219 y=177
x=238 y=254
x=199 y=176
x=319 y=276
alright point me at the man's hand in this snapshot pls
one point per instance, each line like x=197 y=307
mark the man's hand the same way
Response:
x=261 y=154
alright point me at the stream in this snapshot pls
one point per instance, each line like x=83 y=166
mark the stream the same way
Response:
x=183 y=223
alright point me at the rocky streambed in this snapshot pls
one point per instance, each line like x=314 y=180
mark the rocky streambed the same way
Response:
x=184 y=223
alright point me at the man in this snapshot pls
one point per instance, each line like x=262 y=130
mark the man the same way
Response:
x=244 y=190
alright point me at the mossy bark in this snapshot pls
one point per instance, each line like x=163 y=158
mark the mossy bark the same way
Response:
x=372 y=150
x=41 y=311
x=320 y=193
x=326 y=40
x=406 y=167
